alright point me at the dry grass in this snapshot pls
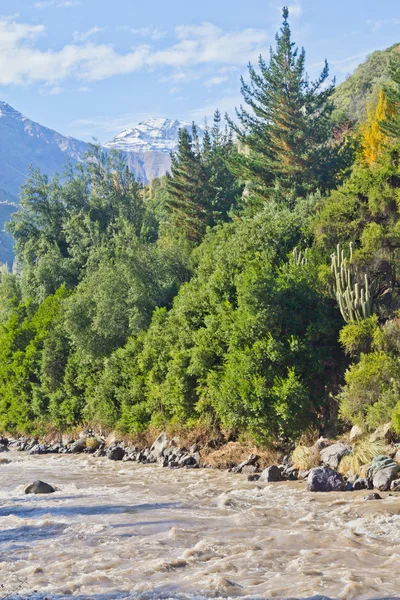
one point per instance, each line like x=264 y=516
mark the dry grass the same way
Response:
x=233 y=453
x=362 y=454
x=306 y=457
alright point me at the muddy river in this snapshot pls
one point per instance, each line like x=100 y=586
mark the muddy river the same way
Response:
x=122 y=530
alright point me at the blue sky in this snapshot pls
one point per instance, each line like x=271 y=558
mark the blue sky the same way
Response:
x=92 y=68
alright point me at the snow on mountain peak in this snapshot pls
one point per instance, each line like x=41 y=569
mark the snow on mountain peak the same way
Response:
x=152 y=135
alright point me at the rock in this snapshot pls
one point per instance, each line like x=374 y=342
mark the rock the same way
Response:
x=271 y=474
x=100 y=452
x=249 y=469
x=384 y=432
x=4 y=441
x=324 y=479
x=249 y=462
x=38 y=449
x=303 y=474
x=373 y=496
x=360 y=484
x=78 y=446
x=395 y=485
x=115 y=453
x=39 y=487
x=332 y=455
x=356 y=433
x=382 y=471
x=322 y=443
x=159 y=446
x=253 y=477
x=397 y=457
x=187 y=461
x=384 y=477
x=3 y=448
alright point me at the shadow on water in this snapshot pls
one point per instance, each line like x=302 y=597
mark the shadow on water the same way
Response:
x=64 y=511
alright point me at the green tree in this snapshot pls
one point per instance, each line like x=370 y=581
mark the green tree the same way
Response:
x=286 y=136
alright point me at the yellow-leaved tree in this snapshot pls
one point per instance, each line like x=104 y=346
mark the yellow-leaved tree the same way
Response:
x=374 y=139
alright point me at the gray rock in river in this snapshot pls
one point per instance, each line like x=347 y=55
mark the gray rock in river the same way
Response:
x=3 y=448
x=159 y=446
x=332 y=455
x=324 y=479
x=360 y=484
x=115 y=453
x=373 y=496
x=383 y=478
x=78 y=447
x=395 y=485
x=382 y=471
x=271 y=474
x=39 y=487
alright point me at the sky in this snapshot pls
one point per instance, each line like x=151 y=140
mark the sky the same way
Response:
x=93 y=68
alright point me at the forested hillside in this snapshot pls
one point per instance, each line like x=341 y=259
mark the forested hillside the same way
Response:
x=252 y=291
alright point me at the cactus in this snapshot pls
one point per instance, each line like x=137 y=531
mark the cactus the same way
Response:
x=300 y=257
x=355 y=300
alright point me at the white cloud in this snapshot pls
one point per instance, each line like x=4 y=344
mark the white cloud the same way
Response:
x=22 y=63
x=213 y=81
x=295 y=10
x=173 y=90
x=56 y=91
x=57 y=3
x=181 y=77
x=83 y=36
x=85 y=89
x=152 y=33
x=376 y=24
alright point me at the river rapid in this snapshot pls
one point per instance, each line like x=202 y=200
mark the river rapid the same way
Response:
x=123 y=530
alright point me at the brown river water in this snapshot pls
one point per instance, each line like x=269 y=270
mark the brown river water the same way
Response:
x=122 y=530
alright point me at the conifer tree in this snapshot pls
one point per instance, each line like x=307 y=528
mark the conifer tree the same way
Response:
x=186 y=202
x=286 y=136
x=201 y=188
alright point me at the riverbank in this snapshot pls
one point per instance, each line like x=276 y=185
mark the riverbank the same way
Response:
x=356 y=462
x=116 y=530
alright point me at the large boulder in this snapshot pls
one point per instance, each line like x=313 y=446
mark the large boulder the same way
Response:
x=115 y=453
x=324 y=479
x=382 y=471
x=3 y=448
x=38 y=449
x=356 y=433
x=39 y=487
x=397 y=457
x=384 y=433
x=78 y=447
x=271 y=474
x=158 y=447
x=383 y=478
x=332 y=455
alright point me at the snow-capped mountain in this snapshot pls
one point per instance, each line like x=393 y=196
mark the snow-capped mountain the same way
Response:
x=152 y=135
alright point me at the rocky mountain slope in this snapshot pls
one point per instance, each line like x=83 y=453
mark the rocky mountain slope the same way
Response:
x=351 y=96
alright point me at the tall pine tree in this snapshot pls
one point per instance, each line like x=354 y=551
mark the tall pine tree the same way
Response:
x=286 y=138
x=201 y=189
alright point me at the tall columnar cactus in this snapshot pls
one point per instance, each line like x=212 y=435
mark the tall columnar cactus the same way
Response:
x=300 y=257
x=355 y=300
